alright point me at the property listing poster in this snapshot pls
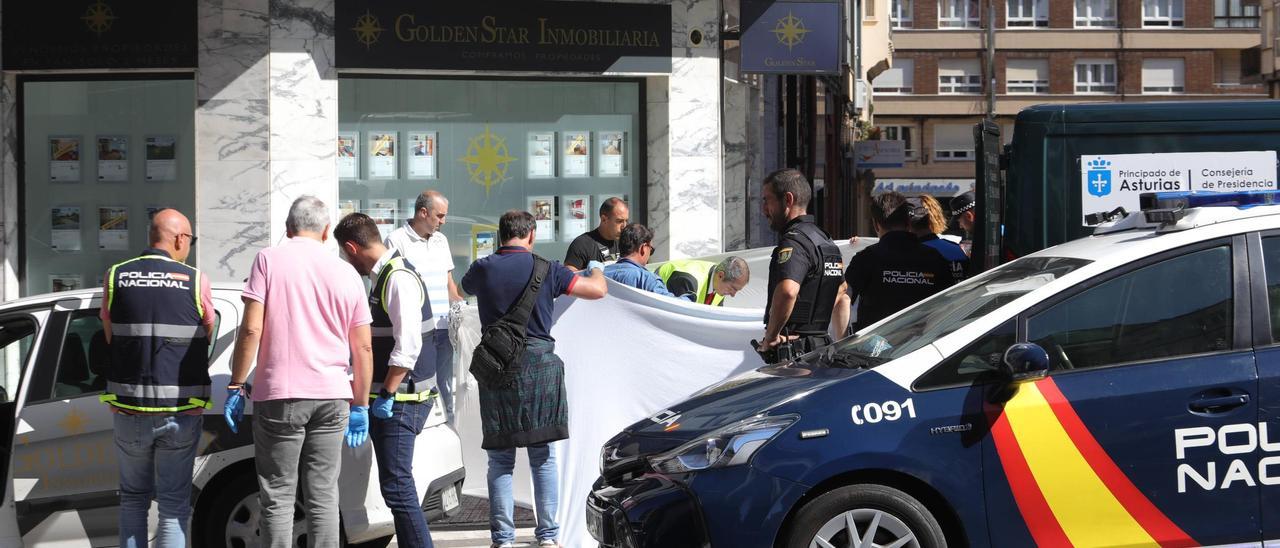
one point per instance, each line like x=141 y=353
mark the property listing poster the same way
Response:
x=162 y=154
x=113 y=228
x=542 y=157
x=575 y=218
x=113 y=158
x=484 y=241
x=65 y=282
x=348 y=164
x=383 y=213
x=543 y=209
x=64 y=159
x=577 y=154
x=347 y=207
x=612 y=148
x=65 y=228
x=382 y=155
x=422 y=155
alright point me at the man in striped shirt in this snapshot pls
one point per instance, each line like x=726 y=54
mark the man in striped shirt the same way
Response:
x=424 y=244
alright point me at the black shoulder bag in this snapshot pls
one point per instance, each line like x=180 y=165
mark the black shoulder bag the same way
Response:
x=494 y=361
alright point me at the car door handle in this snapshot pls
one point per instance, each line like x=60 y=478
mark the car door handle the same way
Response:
x=1218 y=404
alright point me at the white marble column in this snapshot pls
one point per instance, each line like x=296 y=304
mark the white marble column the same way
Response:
x=9 y=187
x=231 y=118
x=737 y=176
x=304 y=107
x=695 y=176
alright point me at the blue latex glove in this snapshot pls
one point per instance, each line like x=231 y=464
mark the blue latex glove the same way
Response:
x=233 y=410
x=592 y=265
x=358 y=426
x=381 y=407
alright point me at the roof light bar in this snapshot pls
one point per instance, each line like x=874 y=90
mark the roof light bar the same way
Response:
x=1184 y=200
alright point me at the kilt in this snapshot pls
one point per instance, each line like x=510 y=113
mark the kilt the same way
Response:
x=534 y=409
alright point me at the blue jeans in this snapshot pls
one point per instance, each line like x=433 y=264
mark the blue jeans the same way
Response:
x=156 y=455
x=393 y=443
x=546 y=494
x=444 y=370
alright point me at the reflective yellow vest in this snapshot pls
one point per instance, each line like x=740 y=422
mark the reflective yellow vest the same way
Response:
x=700 y=270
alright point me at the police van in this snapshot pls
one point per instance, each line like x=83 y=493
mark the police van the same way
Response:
x=1118 y=390
x=60 y=456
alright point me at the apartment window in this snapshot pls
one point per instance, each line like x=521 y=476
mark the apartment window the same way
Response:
x=1027 y=76
x=959 y=76
x=897 y=79
x=952 y=142
x=1163 y=76
x=900 y=14
x=1095 y=76
x=906 y=134
x=1027 y=13
x=1095 y=13
x=1235 y=14
x=958 y=14
x=1162 y=13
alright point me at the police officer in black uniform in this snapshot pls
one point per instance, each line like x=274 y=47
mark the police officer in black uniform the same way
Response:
x=897 y=271
x=804 y=272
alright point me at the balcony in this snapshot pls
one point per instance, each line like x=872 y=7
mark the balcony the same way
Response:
x=1083 y=39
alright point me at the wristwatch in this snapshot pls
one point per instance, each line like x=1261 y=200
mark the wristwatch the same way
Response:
x=383 y=393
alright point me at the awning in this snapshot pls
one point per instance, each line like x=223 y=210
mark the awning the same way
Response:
x=941 y=188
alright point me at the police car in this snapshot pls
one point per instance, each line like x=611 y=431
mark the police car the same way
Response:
x=59 y=451
x=1118 y=390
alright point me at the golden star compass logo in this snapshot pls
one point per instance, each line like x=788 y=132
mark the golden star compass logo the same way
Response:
x=790 y=30
x=487 y=158
x=99 y=17
x=368 y=29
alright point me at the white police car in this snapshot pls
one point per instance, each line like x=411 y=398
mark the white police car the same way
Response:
x=59 y=452
x=1118 y=390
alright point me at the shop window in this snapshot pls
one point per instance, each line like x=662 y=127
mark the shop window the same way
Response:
x=1162 y=13
x=557 y=149
x=1163 y=76
x=1095 y=76
x=1236 y=14
x=1027 y=13
x=959 y=76
x=906 y=134
x=958 y=14
x=1095 y=13
x=900 y=14
x=952 y=142
x=100 y=157
x=899 y=79
x=1027 y=76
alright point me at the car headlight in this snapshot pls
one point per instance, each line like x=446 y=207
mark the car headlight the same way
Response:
x=728 y=446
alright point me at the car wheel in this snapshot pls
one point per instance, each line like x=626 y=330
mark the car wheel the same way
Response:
x=232 y=519
x=865 y=515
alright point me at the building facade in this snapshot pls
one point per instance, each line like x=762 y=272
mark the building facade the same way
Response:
x=243 y=105
x=1270 y=57
x=1047 y=51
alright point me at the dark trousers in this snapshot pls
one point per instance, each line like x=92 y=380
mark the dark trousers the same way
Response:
x=393 y=443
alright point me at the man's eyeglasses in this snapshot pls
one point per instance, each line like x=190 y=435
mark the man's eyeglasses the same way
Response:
x=192 y=236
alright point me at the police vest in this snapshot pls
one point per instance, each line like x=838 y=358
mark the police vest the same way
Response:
x=159 y=344
x=701 y=272
x=384 y=340
x=817 y=297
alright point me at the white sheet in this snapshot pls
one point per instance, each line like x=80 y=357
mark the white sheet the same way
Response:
x=626 y=357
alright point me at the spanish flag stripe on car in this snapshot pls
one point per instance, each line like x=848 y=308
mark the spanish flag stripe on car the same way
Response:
x=1068 y=490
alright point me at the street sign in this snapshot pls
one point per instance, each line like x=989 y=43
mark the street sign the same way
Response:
x=791 y=37
x=1109 y=181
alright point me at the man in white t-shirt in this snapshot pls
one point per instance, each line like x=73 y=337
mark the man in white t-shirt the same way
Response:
x=426 y=247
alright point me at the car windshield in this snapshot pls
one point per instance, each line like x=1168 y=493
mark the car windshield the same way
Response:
x=923 y=324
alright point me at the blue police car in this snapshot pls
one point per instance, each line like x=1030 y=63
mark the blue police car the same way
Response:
x=1117 y=390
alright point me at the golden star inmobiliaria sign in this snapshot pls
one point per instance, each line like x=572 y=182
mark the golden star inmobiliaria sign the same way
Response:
x=98 y=34
x=791 y=37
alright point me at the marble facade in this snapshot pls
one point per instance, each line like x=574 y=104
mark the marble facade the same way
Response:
x=266 y=119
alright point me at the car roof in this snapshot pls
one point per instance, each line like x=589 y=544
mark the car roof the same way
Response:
x=94 y=293
x=1113 y=245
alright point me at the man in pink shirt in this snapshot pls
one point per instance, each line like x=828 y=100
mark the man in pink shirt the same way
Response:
x=306 y=318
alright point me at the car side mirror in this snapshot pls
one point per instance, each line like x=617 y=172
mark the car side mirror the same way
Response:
x=1025 y=362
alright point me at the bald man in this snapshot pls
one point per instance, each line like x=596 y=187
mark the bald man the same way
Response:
x=157 y=317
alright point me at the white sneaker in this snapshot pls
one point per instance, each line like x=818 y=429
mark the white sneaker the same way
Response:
x=548 y=542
